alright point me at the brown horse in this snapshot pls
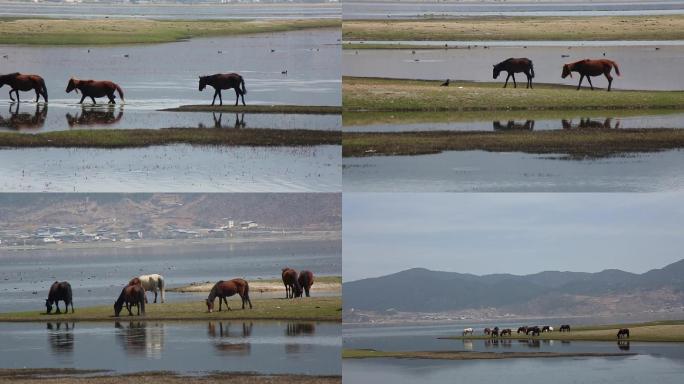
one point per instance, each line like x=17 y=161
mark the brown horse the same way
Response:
x=305 y=280
x=59 y=292
x=513 y=66
x=131 y=295
x=506 y=331
x=24 y=82
x=93 y=89
x=292 y=287
x=224 y=289
x=588 y=68
x=224 y=81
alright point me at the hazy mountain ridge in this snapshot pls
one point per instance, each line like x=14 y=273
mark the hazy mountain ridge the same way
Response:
x=544 y=293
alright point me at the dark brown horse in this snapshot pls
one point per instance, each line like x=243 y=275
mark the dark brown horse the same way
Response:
x=505 y=332
x=24 y=82
x=59 y=292
x=564 y=328
x=89 y=116
x=623 y=333
x=305 y=280
x=224 y=289
x=513 y=66
x=535 y=331
x=224 y=81
x=589 y=68
x=522 y=330
x=94 y=88
x=20 y=121
x=292 y=287
x=131 y=295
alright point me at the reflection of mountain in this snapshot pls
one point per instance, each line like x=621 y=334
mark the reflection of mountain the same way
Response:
x=61 y=336
x=511 y=125
x=590 y=124
x=544 y=293
x=141 y=338
x=230 y=343
x=94 y=116
x=18 y=121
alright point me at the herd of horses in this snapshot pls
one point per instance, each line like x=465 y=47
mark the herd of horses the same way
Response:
x=534 y=330
x=97 y=88
x=134 y=293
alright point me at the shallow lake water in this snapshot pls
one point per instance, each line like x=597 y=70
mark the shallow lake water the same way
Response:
x=418 y=9
x=184 y=347
x=475 y=64
x=97 y=275
x=172 y=168
x=479 y=171
x=155 y=76
x=33 y=118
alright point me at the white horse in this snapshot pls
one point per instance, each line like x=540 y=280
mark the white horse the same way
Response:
x=153 y=283
x=468 y=331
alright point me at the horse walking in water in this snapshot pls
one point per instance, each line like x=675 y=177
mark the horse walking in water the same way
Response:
x=623 y=333
x=292 y=287
x=94 y=88
x=513 y=66
x=224 y=81
x=588 y=68
x=59 y=292
x=153 y=283
x=305 y=280
x=224 y=289
x=131 y=295
x=24 y=82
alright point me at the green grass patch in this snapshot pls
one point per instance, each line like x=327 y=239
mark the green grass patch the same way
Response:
x=464 y=355
x=42 y=31
x=577 y=144
x=285 y=109
x=309 y=308
x=135 y=138
x=668 y=27
x=379 y=94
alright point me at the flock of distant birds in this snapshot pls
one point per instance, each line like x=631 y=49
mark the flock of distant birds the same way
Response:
x=134 y=293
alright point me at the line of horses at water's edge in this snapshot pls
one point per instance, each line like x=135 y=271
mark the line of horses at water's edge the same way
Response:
x=535 y=330
x=103 y=88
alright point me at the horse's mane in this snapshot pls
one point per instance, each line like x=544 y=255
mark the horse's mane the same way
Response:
x=212 y=293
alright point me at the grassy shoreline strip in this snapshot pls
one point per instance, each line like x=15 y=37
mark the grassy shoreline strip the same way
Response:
x=382 y=94
x=287 y=109
x=451 y=355
x=512 y=28
x=138 y=138
x=575 y=143
x=327 y=308
x=321 y=283
x=97 y=32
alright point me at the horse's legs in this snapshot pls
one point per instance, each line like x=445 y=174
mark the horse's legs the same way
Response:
x=111 y=98
x=10 y=94
x=580 y=82
x=220 y=304
x=237 y=97
x=16 y=92
x=72 y=307
x=213 y=101
x=610 y=79
x=221 y=103
x=82 y=98
x=225 y=299
x=287 y=291
x=37 y=95
x=515 y=85
x=57 y=305
x=590 y=84
x=93 y=99
x=242 y=95
x=506 y=83
x=155 y=296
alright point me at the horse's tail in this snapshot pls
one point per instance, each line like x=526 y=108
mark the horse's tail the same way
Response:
x=118 y=89
x=141 y=301
x=160 y=284
x=242 y=85
x=617 y=70
x=70 y=297
x=531 y=69
x=43 y=88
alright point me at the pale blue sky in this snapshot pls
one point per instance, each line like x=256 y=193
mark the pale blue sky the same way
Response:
x=510 y=233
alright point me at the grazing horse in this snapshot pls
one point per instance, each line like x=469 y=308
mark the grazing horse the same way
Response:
x=24 y=82
x=487 y=331
x=623 y=333
x=224 y=81
x=305 y=280
x=513 y=66
x=535 y=331
x=564 y=328
x=131 y=295
x=547 y=328
x=506 y=331
x=153 y=283
x=94 y=88
x=292 y=287
x=588 y=68
x=522 y=330
x=225 y=289
x=467 y=331
x=59 y=292
x=495 y=332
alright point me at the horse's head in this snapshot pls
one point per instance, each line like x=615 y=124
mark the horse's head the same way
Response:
x=210 y=305
x=48 y=306
x=117 y=308
x=566 y=71
x=496 y=71
x=71 y=86
x=202 y=83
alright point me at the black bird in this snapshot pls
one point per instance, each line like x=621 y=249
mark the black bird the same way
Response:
x=445 y=84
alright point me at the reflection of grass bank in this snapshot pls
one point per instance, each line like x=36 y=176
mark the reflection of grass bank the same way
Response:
x=136 y=138
x=576 y=143
x=32 y=31
x=519 y=28
x=308 y=308
x=321 y=284
x=448 y=355
x=657 y=331
x=376 y=94
x=293 y=109
x=352 y=119
x=63 y=376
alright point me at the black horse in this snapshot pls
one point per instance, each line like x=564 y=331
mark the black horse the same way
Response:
x=522 y=330
x=546 y=328
x=513 y=66
x=535 y=331
x=623 y=333
x=59 y=292
x=224 y=81
x=564 y=328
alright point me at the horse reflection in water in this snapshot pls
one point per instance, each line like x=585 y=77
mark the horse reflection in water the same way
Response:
x=531 y=343
x=224 y=347
x=511 y=125
x=218 y=121
x=61 y=336
x=141 y=338
x=94 y=116
x=298 y=330
x=496 y=343
x=20 y=121
x=591 y=124
x=623 y=345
